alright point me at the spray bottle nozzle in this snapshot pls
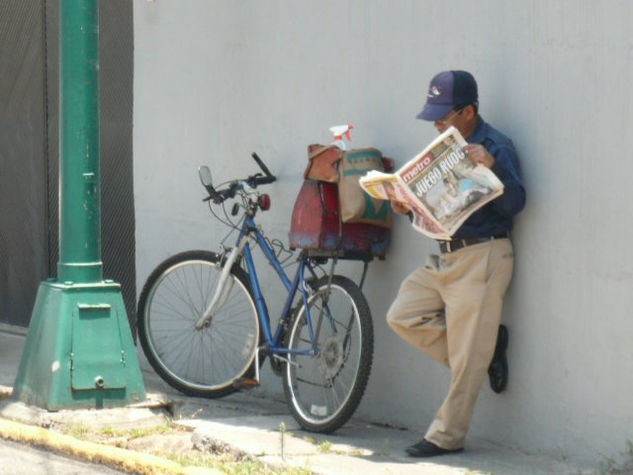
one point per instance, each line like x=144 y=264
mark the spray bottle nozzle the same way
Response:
x=340 y=131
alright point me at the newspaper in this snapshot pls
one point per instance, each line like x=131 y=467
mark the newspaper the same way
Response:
x=440 y=185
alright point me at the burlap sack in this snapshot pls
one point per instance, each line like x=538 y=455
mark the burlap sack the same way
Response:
x=356 y=205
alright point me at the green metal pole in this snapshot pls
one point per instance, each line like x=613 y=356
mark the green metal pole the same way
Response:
x=79 y=233
x=79 y=351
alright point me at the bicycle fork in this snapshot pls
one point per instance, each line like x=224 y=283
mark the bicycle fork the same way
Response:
x=222 y=290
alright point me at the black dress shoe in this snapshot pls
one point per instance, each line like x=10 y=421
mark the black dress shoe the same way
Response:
x=424 y=448
x=498 y=369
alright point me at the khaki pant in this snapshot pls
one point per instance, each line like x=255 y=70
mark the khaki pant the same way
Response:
x=450 y=309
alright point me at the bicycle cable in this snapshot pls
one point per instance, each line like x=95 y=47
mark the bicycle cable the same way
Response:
x=225 y=222
x=279 y=248
x=232 y=229
x=275 y=244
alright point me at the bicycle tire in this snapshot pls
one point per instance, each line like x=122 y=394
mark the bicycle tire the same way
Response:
x=206 y=362
x=323 y=391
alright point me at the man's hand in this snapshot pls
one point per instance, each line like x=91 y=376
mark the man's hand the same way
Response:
x=399 y=207
x=478 y=154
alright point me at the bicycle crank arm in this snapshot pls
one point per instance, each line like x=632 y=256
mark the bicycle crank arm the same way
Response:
x=286 y=360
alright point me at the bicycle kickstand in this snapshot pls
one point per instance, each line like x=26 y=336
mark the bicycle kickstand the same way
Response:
x=245 y=384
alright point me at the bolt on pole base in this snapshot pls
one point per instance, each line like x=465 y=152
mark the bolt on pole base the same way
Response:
x=79 y=351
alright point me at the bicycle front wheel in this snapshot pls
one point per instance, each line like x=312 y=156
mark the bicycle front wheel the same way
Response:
x=199 y=362
x=324 y=390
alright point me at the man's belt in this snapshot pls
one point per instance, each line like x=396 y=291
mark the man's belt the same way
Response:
x=455 y=244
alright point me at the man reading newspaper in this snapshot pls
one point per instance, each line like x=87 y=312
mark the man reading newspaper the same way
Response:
x=450 y=308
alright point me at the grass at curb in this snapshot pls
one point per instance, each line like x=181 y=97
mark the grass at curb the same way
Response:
x=109 y=433
x=108 y=446
x=95 y=453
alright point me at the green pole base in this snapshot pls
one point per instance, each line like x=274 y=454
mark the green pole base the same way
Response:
x=79 y=350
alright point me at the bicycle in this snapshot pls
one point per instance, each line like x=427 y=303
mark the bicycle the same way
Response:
x=204 y=325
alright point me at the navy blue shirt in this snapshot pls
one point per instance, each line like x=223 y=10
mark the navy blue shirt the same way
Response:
x=496 y=216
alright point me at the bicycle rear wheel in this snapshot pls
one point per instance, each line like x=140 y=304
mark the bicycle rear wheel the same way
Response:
x=324 y=390
x=203 y=362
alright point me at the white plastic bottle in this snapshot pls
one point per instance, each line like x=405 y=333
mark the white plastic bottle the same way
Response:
x=340 y=132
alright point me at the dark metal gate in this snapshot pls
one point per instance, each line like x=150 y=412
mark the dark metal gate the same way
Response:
x=29 y=59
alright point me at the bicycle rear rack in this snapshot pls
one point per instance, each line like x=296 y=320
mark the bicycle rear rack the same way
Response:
x=321 y=255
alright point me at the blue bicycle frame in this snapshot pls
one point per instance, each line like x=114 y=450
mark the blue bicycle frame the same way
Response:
x=249 y=228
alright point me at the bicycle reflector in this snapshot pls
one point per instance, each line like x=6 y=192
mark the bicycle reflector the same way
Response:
x=264 y=202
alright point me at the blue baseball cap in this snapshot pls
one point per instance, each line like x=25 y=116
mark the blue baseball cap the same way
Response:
x=447 y=90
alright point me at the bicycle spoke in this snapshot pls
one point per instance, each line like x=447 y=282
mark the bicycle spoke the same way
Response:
x=174 y=285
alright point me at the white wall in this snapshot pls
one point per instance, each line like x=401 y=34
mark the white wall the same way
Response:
x=216 y=80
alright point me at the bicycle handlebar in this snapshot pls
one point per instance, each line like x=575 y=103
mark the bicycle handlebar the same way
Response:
x=218 y=196
x=269 y=176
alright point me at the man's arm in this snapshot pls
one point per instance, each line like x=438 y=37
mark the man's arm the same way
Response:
x=504 y=164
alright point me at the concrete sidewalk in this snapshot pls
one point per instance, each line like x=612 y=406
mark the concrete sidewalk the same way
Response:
x=250 y=424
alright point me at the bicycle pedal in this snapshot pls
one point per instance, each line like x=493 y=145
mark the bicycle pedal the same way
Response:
x=245 y=384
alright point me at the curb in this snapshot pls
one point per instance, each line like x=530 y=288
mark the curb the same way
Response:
x=116 y=457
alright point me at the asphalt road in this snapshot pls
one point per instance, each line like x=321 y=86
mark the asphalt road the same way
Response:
x=24 y=460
